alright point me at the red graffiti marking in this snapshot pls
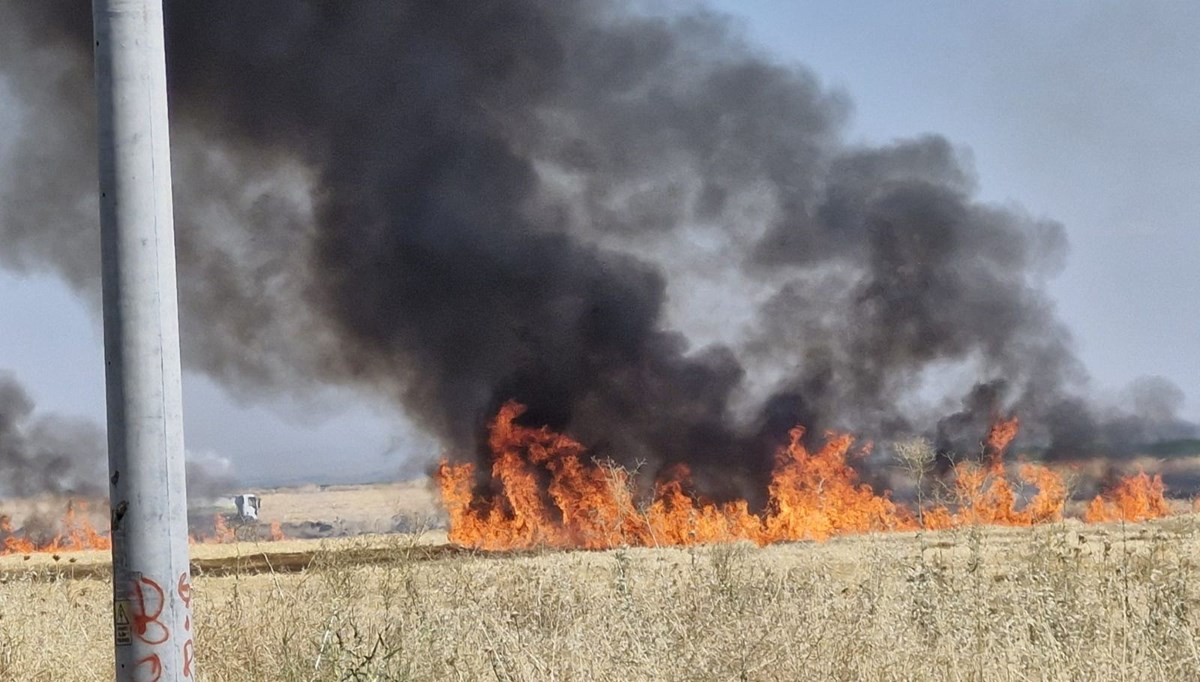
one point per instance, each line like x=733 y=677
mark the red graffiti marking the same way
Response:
x=149 y=600
x=189 y=657
x=149 y=669
x=185 y=589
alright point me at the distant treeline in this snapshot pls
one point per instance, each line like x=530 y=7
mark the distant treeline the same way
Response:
x=1183 y=447
x=1176 y=448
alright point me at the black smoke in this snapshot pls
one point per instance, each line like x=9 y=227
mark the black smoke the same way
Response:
x=459 y=203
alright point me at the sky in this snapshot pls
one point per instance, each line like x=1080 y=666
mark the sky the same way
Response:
x=1084 y=113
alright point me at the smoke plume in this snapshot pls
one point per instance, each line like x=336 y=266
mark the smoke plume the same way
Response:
x=61 y=455
x=46 y=452
x=460 y=203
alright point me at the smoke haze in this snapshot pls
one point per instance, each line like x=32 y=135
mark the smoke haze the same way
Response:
x=455 y=204
x=46 y=453
x=50 y=453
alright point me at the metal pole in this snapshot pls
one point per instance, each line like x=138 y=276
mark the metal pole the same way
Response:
x=151 y=583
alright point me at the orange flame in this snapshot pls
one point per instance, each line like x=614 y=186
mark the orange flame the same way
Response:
x=13 y=544
x=221 y=531
x=811 y=496
x=76 y=534
x=1136 y=498
x=222 y=534
x=542 y=492
x=1001 y=433
x=985 y=495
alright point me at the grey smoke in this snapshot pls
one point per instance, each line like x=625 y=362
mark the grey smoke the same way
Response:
x=459 y=203
x=46 y=452
x=50 y=453
x=209 y=476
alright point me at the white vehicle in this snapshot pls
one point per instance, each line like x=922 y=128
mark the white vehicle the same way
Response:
x=247 y=507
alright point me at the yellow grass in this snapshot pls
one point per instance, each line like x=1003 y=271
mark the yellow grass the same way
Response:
x=1062 y=602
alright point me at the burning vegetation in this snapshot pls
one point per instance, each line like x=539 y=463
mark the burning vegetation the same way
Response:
x=580 y=206
x=544 y=491
x=1136 y=498
x=76 y=532
x=583 y=208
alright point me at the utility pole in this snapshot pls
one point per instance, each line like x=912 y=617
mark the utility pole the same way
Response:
x=152 y=621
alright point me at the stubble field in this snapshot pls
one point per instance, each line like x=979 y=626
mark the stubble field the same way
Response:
x=1060 y=601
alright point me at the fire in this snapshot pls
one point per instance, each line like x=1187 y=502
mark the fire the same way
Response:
x=76 y=534
x=12 y=543
x=222 y=533
x=1137 y=498
x=583 y=505
x=985 y=493
x=813 y=496
x=542 y=491
x=1001 y=433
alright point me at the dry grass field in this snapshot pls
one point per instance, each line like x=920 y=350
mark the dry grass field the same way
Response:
x=1054 y=602
x=373 y=507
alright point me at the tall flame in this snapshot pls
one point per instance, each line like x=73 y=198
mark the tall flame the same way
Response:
x=985 y=493
x=542 y=491
x=1136 y=498
x=1001 y=433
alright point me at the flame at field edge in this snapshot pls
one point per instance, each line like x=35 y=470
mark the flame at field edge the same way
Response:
x=542 y=491
x=77 y=534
